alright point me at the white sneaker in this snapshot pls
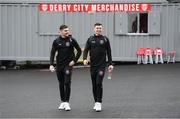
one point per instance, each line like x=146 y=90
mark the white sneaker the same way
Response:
x=61 y=106
x=95 y=104
x=67 y=106
x=98 y=107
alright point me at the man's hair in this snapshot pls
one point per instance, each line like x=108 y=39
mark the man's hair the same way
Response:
x=63 y=27
x=97 y=24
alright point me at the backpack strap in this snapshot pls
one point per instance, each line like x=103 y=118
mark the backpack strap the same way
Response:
x=105 y=38
x=71 y=40
x=92 y=37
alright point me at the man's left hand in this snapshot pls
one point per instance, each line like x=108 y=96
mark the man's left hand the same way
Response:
x=71 y=63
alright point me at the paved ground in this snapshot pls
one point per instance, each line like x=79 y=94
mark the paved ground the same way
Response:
x=136 y=91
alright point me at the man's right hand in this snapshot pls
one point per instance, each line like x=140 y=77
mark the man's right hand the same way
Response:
x=85 y=62
x=51 y=68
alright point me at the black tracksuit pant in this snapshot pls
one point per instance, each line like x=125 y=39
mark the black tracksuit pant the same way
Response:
x=64 y=78
x=97 y=75
x=99 y=48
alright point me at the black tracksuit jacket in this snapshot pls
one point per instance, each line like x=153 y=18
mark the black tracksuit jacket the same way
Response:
x=99 y=48
x=65 y=48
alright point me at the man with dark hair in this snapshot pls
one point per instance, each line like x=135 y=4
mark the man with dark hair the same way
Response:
x=97 y=24
x=65 y=59
x=98 y=46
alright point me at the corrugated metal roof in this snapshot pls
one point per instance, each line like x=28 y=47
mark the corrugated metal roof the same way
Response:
x=82 y=1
